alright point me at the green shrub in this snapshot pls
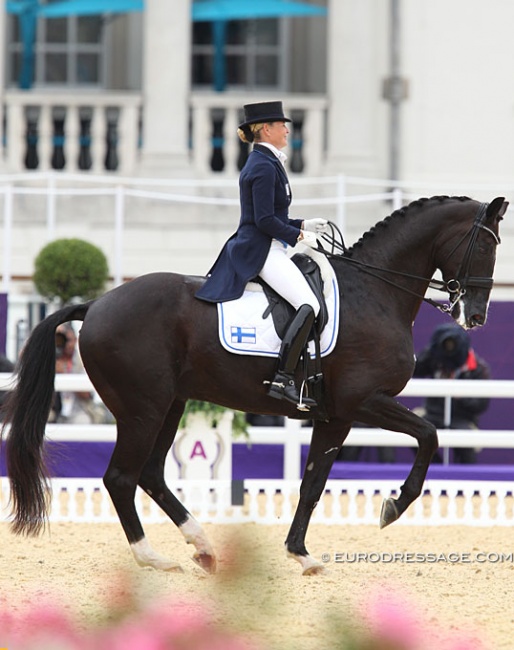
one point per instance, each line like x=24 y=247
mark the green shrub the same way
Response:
x=70 y=268
x=213 y=412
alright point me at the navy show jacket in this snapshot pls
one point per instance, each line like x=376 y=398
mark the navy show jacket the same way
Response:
x=265 y=196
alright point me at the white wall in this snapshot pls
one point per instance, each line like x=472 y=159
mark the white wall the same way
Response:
x=458 y=122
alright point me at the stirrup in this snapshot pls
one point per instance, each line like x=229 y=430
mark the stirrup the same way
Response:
x=282 y=387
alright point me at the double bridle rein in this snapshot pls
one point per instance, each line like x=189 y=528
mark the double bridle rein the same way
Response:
x=456 y=287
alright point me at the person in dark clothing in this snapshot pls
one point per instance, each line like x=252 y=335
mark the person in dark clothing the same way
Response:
x=449 y=355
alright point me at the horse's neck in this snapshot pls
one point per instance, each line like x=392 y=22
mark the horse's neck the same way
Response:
x=401 y=262
x=402 y=249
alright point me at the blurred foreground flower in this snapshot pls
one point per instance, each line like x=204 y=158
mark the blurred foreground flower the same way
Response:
x=164 y=626
x=389 y=620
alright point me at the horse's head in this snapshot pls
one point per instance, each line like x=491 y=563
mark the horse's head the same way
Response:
x=468 y=271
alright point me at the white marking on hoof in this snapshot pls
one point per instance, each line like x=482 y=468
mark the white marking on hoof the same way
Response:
x=310 y=566
x=146 y=556
x=194 y=534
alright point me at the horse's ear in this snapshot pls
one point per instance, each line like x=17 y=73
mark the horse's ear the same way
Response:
x=497 y=208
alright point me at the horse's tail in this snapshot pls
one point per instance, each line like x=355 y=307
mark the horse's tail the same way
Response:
x=27 y=410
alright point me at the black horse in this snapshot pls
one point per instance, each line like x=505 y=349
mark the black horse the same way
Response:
x=149 y=346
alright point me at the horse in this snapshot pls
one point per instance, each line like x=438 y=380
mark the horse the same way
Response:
x=149 y=345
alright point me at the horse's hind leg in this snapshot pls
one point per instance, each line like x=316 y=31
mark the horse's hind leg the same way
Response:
x=385 y=412
x=152 y=482
x=133 y=448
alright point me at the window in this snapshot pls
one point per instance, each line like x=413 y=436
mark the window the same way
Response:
x=254 y=54
x=68 y=51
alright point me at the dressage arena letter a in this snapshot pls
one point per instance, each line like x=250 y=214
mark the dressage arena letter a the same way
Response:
x=198 y=450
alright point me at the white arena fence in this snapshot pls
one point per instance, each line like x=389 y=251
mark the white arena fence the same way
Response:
x=334 y=193
x=273 y=501
x=268 y=501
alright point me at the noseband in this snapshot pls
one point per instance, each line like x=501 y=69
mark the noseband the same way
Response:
x=456 y=287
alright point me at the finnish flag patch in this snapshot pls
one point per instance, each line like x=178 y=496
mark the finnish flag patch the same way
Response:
x=243 y=334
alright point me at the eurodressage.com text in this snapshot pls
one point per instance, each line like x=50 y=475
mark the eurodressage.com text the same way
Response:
x=423 y=558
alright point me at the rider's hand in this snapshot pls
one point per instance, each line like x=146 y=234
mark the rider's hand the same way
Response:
x=316 y=225
x=309 y=239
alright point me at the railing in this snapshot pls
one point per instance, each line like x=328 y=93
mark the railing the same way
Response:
x=465 y=503
x=292 y=435
x=102 y=131
x=269 y=501
x=216 y=146
x=76 y=132
x=333 y=196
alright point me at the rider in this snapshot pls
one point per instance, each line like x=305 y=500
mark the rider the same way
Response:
x=259 y=246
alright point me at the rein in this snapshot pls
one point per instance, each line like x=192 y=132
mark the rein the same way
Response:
x=456 y=287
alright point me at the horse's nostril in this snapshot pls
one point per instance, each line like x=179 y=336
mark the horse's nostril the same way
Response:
x=477 y=319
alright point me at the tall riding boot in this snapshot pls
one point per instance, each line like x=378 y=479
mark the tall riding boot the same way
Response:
x=283 y=385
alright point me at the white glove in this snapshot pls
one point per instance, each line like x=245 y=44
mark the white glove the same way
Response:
x=309 y=239
x=316 y=225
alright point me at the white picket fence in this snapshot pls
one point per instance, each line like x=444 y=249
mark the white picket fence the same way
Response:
x=469 y=503
x=269 y=501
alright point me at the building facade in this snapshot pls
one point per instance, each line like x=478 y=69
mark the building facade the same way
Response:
x=380 y=92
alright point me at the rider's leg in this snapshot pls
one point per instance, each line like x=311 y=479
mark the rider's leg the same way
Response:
x=288 y=281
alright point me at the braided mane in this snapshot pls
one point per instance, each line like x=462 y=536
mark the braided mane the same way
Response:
x=405 y=211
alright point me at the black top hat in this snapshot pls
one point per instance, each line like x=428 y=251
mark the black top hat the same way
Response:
x=263 y=112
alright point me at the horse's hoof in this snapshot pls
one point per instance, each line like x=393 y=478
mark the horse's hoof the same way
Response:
x=310 y=567
x=173 y=568
x=205 y=561
x=389 y=512
x=314 y=570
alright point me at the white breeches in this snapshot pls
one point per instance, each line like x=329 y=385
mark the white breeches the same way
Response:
x=286 y=278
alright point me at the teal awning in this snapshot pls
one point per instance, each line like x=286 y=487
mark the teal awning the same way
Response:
x=213 y=10
x=74 y=7
x=217 y=11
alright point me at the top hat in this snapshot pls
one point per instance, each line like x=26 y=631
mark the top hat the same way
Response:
x=263 y=112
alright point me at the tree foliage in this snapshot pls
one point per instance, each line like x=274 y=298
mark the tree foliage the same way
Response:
x=70 y=268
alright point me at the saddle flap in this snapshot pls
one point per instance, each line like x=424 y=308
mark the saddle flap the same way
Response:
x=282 y=311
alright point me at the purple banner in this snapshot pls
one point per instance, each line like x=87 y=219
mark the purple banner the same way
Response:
x=3 y=322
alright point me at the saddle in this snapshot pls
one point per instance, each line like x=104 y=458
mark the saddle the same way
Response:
x=282 y=311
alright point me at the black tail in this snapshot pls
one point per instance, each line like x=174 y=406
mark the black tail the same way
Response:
x=27 y=411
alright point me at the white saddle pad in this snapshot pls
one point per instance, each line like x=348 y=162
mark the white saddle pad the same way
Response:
x=243 y=330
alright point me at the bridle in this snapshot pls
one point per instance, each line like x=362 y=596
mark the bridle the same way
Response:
x=456 y=287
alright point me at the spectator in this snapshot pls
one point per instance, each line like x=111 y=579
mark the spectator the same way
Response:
x=450 y=355
x=74 y=407
x=5 y=366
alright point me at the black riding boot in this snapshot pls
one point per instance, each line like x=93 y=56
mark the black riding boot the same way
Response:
x=295 y=338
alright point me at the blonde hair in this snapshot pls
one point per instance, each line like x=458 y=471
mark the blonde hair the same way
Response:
x=250 y=132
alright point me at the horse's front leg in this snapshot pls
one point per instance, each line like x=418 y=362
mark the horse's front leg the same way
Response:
x=385 y=412
x=327 y=439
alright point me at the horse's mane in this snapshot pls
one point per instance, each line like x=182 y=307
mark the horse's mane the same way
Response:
x=405 y=211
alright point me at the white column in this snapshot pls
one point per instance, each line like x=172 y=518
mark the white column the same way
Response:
x=15 y=136
x=357 y=64
x=166 y=85
x=98 y=147
x=45 y=140
x=71 y=141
